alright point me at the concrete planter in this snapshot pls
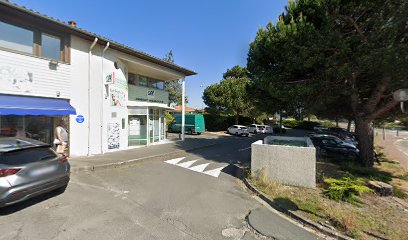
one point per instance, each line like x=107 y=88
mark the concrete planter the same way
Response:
x=291 y=165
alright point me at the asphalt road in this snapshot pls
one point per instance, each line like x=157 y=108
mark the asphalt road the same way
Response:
x=155 y=199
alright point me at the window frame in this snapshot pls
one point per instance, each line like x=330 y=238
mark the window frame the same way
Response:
x=65 y=40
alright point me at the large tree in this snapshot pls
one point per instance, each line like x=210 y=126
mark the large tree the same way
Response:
x=230 y=95
x=323 y=51
x=173 y=87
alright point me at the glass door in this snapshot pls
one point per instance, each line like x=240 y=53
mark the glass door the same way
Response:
x=156 y=125
x=137 y=130
x=151 y=132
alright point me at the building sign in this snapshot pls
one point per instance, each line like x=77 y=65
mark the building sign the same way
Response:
x=110 y=79
x=117 y=90
x=80 y=119
x=117 y=97
x=150 y=93
x=16 y=79
x=113 y=135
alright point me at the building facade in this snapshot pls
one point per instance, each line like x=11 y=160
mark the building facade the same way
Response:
x=111 y=96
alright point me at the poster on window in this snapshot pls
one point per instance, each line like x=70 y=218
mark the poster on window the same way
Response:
x=134 y=127
x=113 y=135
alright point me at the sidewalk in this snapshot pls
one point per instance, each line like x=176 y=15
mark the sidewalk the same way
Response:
x=392 y=148
x=273 y=226
x=113 y=159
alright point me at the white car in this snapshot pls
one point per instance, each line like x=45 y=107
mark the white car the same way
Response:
x=238 y=130
x=256 y=128
x=268 y=129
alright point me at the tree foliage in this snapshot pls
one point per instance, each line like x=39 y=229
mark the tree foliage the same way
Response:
x=174 y=87
x=230 y=96
x=342 y=55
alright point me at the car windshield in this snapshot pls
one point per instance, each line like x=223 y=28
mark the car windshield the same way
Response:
x=24 y=156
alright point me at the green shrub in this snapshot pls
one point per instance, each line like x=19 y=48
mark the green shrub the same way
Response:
x=169 y=118
x=328 y=124
x=345 y=189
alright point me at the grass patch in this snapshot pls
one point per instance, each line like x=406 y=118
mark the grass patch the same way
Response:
x=399 y=193
x=379 y=216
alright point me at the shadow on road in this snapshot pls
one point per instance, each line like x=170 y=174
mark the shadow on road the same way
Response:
x=28 y=203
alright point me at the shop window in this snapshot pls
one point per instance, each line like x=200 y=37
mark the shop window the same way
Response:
x=143 y=81
x=160 y=85
x=35 y=127
x=132 y=79
x=50 y=46
x=16 y=38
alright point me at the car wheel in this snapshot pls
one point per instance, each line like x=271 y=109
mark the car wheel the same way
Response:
x=236 y=134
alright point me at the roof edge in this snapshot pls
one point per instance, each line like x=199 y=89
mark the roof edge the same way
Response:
x=113 y=44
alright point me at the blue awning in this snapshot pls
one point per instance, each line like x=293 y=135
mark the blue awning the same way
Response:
x=19 y=105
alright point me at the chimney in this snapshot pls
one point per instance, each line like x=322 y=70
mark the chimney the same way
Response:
x=72 y=23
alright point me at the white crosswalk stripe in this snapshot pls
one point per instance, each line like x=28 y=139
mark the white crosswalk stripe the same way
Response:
x=200 y=168
x=175 y=161
x=214 y=172
x=186 y=164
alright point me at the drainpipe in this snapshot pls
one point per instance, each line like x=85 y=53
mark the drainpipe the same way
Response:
x=89 y=94
x=103 y=94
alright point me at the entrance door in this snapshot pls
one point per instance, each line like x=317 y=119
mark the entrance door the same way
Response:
x=154 y=125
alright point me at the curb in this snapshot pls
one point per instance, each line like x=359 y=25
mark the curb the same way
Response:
x=293 y=215
x=132 y=161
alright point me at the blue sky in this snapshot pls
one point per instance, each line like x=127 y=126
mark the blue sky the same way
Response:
x=207 y=36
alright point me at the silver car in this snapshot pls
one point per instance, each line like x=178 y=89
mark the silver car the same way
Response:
x=29 y=168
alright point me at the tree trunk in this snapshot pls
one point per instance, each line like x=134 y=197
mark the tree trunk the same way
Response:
x=349 y=125
x=365 y=141
x=337 y=121
x=236 y=118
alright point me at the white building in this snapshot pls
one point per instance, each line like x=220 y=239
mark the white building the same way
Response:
x=114 y=95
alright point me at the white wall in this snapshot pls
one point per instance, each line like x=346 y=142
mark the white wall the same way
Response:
x=28 y=75
x=103 y=115
x=99 y=106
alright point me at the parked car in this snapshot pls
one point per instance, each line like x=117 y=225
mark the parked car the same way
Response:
x=332 y=146
x=278 y=129
x=320 y=128
x=238 y=130
x=194 y=124
x=345 y=136
x=268 y=129
x=256 y=128
x=29 y=168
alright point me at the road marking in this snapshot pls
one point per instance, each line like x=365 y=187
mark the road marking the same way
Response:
x=199 y=168
x=243 y=149
x=174 y=161
x=186 y=164
x=214 y=172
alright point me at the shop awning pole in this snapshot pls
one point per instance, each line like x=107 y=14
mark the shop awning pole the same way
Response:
x=183 y=107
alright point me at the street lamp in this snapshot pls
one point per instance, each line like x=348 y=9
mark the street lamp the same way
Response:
x=401 y=96
x=202 y=103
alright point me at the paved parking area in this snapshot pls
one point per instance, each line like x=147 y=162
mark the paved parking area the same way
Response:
x=149 y=200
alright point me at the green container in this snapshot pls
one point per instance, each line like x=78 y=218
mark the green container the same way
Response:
x=194 y=124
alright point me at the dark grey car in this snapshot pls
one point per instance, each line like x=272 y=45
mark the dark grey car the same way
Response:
x=29 y=168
